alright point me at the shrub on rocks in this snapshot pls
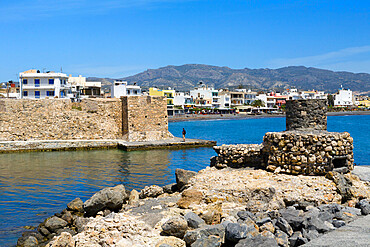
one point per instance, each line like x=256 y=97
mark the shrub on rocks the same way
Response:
x=111 y=198
x=183 y=177
x=175 y=226
x=151 y=191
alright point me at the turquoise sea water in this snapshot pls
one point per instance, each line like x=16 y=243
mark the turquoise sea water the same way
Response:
x=34 y=186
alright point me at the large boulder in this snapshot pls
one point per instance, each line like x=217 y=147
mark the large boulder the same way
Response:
x=76 y=205
x=175 y=226
x=258 y=241
x=183 y=178
x=151 y=191
x=111 y=198
x=235 y=232
x=53 y=224
x=194 y=221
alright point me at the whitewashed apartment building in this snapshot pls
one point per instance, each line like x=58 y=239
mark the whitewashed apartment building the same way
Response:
x=36 y=85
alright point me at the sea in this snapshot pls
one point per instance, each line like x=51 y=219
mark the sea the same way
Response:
x=34 y=186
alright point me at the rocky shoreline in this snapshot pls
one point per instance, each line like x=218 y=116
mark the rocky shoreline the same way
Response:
x=227 y=207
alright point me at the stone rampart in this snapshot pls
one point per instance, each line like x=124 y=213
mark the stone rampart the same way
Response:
x=130 y=118
x=145 y=118
x=306 y=114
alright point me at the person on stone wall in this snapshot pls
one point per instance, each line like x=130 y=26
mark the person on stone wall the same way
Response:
x=183 y=134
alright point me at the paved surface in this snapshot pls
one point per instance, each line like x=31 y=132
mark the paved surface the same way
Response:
x=56 y=145
x=356 y=233
x=363 y=172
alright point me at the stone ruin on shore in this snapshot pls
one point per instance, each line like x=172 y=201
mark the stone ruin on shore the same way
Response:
x=306 y=147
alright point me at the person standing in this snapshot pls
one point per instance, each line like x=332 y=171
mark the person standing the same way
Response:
x=183 y=134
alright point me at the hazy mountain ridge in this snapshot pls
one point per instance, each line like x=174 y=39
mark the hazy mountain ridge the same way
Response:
x=185 y=77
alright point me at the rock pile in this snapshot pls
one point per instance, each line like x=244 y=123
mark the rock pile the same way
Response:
x=227 y=207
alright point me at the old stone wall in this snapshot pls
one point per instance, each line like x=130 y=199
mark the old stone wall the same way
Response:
x=237 y=156
x=53 y=119
x=311 y=153
x=130 y=118
x=306 y=114
x=145 y=118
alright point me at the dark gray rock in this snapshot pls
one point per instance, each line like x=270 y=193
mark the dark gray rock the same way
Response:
x=183 y=178
x=67 y=216
x=343 y=186
x=54 y=223
x=175 y=226
x=243 y=215
x=310 y=234
x=263 y=221
x=210 y=241
x=76 y=205
x=297 y=239
x=283 y=225
x=111 y=198
x=30 y=241
x=170 y=188
x=257 y=241
x=80 y=223
x=235 y=232
x=338 y=223
x=314 y=223
x=364 y=205
x=66 y=229
x=293 y=217
x=282 y=238
x=325 y=216
x=332 y=208
x=194 y=221
x=204 y=232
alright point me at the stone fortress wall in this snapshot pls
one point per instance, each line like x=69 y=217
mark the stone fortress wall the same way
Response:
x=305 y=148
x=60 y=119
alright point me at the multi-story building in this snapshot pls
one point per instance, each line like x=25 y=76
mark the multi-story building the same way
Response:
x=183 y=101
x=206 y=97
x=120 y=88
x=343 y=97
x=83 y=89
x=36 y=85
x=169 y=94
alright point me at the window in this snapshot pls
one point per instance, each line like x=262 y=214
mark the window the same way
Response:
x=37 y=94
x=51 y=81
x=37 y=82
x=128 y=92
x=24 y=81
x=25 y=93
x=62 y=94
x=50 y=93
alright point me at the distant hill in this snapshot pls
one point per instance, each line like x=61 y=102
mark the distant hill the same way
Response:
x=185 y=77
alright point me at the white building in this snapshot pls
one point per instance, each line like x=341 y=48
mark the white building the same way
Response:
x=83 y=89
x=206 y=97
x=343 y=97
x=36 y=85
x=120 y=88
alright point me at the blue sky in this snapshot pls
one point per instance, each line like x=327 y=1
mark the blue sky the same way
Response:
x=114 y=38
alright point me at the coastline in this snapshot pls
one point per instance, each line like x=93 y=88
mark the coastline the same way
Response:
x=198 y=117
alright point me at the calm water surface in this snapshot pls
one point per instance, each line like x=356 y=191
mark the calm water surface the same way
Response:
x=34 y=186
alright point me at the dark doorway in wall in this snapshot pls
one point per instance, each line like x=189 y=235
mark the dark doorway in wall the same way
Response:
x=339 y=161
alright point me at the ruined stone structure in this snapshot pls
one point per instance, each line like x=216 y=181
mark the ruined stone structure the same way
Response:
x=145 y=118
x=305 y=148
x=132 y=119
x=306 y=114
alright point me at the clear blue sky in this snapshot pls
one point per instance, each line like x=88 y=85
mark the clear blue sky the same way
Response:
x=114 y=38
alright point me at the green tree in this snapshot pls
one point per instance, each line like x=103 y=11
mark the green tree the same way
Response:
x=330 y=100
x=258 y=103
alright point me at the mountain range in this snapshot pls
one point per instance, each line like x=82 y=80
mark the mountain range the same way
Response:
x=185 y=77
